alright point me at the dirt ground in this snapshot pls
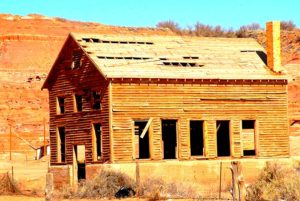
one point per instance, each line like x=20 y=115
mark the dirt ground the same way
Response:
x=26 y=198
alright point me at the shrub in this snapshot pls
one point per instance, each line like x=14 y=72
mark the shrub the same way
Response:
x=104 y=185
x=156 y=188
x=8 y=186
x=274 y=183
x=288 y=25
x=173 y=26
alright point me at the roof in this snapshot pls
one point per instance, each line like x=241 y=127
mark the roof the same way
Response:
x=175 y=57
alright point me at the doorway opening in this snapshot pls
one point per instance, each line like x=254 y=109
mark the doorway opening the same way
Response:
x=141 y=142
x=169 y=139
x=196 y=138
x=79 y=151
x=223 y=138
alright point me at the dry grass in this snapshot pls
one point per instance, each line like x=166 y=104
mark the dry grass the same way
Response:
x=108 y=182
x=156 y=189
x=276 y=182
x=104 y=185
x=8 y=186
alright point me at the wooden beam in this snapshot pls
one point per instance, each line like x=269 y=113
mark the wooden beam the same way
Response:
x=146 y=128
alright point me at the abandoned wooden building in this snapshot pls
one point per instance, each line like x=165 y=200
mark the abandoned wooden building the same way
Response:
x=118 y=99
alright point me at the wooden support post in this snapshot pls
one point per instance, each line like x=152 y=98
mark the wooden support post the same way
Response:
x=49 y=187
x=220 y=185
x=233 y=169
x=238 y=187
x=45 y=151
x=241 y=183
x=12 y=173
x=9 y=142
x=137 y=176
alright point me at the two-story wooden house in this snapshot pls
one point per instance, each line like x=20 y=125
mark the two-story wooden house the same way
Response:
x=120 y=99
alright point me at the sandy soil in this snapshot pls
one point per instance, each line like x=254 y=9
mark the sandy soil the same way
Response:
x=20 y=198
x=26 y=198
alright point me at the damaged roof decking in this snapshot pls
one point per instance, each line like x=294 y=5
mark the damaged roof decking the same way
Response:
x=175 y=57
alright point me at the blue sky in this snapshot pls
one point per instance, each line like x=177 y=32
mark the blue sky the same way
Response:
x=227 y=13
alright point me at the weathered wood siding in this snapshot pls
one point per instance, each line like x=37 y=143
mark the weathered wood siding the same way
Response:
x=78 y=125
x=267 y=104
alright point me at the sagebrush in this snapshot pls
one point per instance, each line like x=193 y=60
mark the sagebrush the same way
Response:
x=275 y=182
x=108 y=182
x=104 y=185
x=156 y=188
x=7 y=185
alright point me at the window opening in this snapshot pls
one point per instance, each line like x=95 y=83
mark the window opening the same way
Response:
x=223 y=138
x=97 y=141
x=78 y=102
x=61 y=144
x=96 y=100
x=76 y=59
x=248 y=133
x=196 y=138
x=169 y=138
x=141 y=140
x=60 y=105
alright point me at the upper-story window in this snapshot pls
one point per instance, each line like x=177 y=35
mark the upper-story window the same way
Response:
x=77 y=103
x=96 y=100
x=60 y=105
x=77 y=59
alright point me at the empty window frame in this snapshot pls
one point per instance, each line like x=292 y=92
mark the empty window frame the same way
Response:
x=248 y=137
x=61 y=144
x=77 y=59
x=60 y=105
x=141 y=140
x=97 y=141
x=77 y=103
x=169 y=139
x=223 y=138
x=96 y=100
x=196 y=138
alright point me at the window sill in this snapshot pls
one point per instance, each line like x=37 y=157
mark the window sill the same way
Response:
x=58 y=163
x=98 y=161
x=198 y=157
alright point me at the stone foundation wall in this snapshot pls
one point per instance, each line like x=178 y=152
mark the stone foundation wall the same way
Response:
x=61 y=175
x=202 y=174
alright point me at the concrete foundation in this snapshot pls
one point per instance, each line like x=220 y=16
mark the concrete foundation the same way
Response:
x=202 y=174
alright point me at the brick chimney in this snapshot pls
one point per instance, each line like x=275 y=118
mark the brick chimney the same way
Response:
x=273 y=46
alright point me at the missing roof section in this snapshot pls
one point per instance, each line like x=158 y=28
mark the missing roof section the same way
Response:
x=248 y=50
x=126 y=58
x=182 y=64
x=190 y=57
x=97 y=40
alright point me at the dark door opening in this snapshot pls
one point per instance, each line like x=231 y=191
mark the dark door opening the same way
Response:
x=196 y=138
x=141 y=144
x=169 y=137
x=223 y=138
x=80 y=159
